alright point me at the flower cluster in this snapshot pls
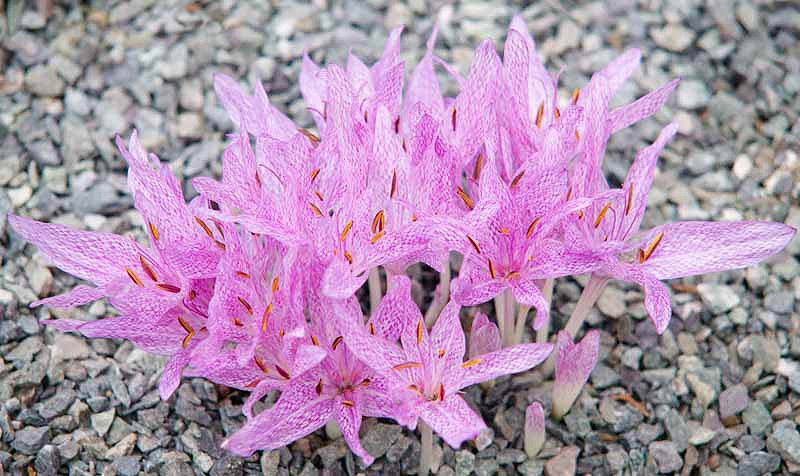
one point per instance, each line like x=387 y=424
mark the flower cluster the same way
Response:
x=253 y=283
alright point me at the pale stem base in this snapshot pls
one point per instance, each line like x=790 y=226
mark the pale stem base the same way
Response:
x=507 y=332
x=543 y=333
x=375 y=291
x=426 y=448
x=444 y=295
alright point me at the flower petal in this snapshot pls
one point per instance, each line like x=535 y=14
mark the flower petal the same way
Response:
x=510 y=360
x=453 y=420
x=574 y=364
x=642 y=108
x=484 y=337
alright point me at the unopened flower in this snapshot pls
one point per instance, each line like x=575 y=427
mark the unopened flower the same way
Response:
x=534 y=429
x=574 y=364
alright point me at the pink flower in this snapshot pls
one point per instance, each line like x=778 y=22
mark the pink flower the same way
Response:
x=574 y=364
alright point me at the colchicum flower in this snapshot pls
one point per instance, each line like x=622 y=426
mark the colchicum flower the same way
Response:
x=254 y=283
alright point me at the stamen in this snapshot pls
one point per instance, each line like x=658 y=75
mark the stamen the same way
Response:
x=282 y=372
x=397 y=125
x=261 y=365
x=311 y=136
x=413 y=217
x=204 y=227
x=314 y=174
x=393 y=190
x=377 y=237
x=347 y=403
x=247 y=306
x=366 y=382
x=577 y=134
x=133 y=277
x=504 y=231
x=242 y=274
x=346 y=230
x=557 y=113
x=265 y=317
x=440 y=353
x=336 y=342
x=371 y=328
x=539 y=115
x=569 y=194
x=407 y=365
x=147 y=269
x=419 y=332
x=414 y=388
x=219 y=228
x=258 y=179
x=645 y=254
x=186 y=340
x=580 y=215
x=517 y=179
x=576 y=94
x=282 y=332
x=377 y=222
x=185 y=325
x=513 y=274
x=491 y=268
x=454 y=118
x=319 y=195
x=319 y=387
x=153 y=231
x=315 y=209
x=465 y=198
x=348 y=257
x=532 y=227
x=599 y=217
x=629 y=201
x=220 y=244
x=237 y=322
x=474 y=244
x=168 y=288
x=314 y=340
x=440 y=393
x=192 y=294
x=253 y=383
x=476 y=174
x=405 y=149
x=471 y=363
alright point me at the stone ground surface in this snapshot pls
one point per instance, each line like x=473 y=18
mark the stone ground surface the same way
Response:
x=720 y=389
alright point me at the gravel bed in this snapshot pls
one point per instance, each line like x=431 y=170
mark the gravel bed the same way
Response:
x=719 y=390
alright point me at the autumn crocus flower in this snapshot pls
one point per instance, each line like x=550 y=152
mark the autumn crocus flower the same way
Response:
x=341 y=387
x=162 y=291
x=668 y=251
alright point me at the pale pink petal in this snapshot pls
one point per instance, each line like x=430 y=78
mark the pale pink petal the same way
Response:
x=619 y=70
x=349 y=420
x=642 y=108
x=484 y=337
x=534 y=429
x=395 y=310
x=171 y=377
x=528 y=293
x=262 y=388
x=453 y=420
x=468 y=294
x=78 y=296
x=574 y=364
x=510 y=360
x=696 y=247
x=94 y=256
x=447 y=334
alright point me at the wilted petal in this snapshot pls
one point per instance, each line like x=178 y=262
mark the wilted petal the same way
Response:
x=534 y=429
x=453 y=420
x=574 y=364
x=696 y=247
x=510 y=360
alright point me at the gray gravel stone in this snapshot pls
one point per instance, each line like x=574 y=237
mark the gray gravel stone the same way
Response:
x=47 y=461
x=786 y=441
x=757 y=418
x=733 y=400
x=43 y=81
x=465 y=462
x=31 y=439
x=564 y=463
x=719 y=298
x=666 y=456
x=758 y=463
x=677 y=429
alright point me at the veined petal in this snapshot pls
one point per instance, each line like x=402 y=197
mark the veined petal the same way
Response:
x=510 y=360
x=171 y=377
x=78 y=296
x=468 y=294
x=484 y=337
x=534 y=429
x=448 y=335
x=395 y=310
x=528 y=293
x=642 y=108
x=696 y=247
x=574 y=364
x=453 y=420
x=298 y=412
x=349 y=419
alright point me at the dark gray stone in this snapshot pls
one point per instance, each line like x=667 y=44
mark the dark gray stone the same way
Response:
x=31 y=439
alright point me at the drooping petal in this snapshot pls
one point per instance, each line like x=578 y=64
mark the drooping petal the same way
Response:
x=574 y=364
x=453 y=420
x=534 y=429
x=262 y=388
x=94 y=256
x=171 y=377
x=528 y=293
x=696 y=247
x=298 y=412
x=348 y=416
x=511 y=360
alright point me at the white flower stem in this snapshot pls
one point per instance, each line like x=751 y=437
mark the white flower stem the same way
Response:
x=543 y=333
x=522 y=318
x=508 y=317
x=426 y=448
x=499 y=305
x=375 y=291
x=440 y=300
x=592 y=291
